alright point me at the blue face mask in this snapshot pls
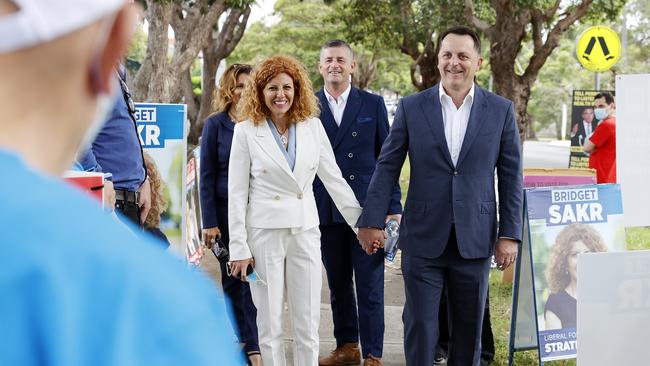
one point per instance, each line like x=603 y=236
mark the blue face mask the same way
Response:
x=600 y=113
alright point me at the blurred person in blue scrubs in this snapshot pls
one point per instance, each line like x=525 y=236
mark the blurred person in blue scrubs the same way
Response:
x=75 y=290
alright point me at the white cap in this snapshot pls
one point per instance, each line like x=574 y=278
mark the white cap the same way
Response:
x=41 y=21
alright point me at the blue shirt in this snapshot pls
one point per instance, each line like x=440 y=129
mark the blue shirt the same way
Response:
x=290 y=152
x=117 y=150
x=77 y=288
x=216 y=141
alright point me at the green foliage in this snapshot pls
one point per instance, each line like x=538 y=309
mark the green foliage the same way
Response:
x=302 y=28
x=393 y=74
x=397 y=22
x=138 y=47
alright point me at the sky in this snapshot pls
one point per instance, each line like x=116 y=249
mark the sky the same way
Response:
x=260 y=9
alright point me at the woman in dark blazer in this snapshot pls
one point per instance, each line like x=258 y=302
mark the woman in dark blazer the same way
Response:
x=216 y=141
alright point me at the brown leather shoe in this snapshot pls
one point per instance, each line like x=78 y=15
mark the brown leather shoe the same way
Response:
x=347 y=354
x=372 y=361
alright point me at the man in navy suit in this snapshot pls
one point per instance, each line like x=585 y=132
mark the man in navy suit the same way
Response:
x=456 y=134
x=356 y=123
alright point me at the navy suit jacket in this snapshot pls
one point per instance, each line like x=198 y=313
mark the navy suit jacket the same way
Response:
x=216 y=141
x=356 y=144
x=440 y=194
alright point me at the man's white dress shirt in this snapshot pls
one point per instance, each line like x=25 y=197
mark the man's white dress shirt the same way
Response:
x=455 y=121
x=337 y=105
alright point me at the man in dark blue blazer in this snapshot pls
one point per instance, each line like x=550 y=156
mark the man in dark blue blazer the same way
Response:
x=356 y=123
x=456 y=135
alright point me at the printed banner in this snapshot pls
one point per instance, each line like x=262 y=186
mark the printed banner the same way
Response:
x=563 y=223
x=193 y=249
x=162 y=129
x=583 y=124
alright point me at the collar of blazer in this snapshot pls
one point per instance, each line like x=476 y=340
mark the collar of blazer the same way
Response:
x=432 y=110
x=352 y=108
x=305 y=147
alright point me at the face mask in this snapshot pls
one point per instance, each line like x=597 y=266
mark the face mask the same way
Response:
x=600 y=113
x=105 y=101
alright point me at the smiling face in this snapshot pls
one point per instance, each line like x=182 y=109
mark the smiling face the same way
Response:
x=239 y=87
x=458 y=62
x=278 y=95
x=336 y=65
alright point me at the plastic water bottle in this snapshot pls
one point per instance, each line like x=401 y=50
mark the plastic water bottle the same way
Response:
x=390 y=246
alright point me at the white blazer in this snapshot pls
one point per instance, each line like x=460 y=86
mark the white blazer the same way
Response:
x=264 y=193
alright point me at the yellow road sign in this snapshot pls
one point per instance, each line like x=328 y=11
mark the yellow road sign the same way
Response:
x=598 y=48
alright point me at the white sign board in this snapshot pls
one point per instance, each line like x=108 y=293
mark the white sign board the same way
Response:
x=633 y=146
x=614 y=308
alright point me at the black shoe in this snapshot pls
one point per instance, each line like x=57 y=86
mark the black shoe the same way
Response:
x=440 y=360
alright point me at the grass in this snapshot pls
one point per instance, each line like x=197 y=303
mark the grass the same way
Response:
x=501 y=296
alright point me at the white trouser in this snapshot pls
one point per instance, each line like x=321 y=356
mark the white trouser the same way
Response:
x=291 y=260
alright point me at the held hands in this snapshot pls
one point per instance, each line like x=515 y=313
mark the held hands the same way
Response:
x=505 y=252
x=210 y=236
x=238 y=268
x=371 y=239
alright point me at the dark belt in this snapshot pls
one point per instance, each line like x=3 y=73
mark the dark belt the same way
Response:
x=127 y=196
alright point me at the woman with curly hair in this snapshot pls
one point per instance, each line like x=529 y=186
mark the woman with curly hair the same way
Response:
x=562 y=271
x=276 y=154
x=216 y=142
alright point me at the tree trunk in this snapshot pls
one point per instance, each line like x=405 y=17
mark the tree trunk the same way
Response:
x=219 y=46
x=149 y=82
x=365 y=71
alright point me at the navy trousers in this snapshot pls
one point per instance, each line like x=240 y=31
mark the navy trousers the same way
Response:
x=425 y=279
x=238 y=292
x=343 y=256
x=487 y=337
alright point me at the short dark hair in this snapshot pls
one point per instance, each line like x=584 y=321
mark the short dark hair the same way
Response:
x=333 y=43
x=609 y=98
x=462 y=30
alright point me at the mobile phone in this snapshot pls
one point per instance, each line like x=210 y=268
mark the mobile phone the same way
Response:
x=249 y=271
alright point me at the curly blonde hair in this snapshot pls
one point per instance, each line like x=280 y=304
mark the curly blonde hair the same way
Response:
x=557 y=268
x=304 y=104
x=223 y=94
x=158 y=201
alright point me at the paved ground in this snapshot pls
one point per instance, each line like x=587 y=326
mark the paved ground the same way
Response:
x=394 y=301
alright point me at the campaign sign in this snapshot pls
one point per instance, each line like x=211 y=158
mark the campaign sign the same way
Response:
x=158 y=123
x=563 y=223
x=193 y=249
x=162 y=134
x=583 y=124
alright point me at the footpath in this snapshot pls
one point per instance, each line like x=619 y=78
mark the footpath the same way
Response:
x=393 y=305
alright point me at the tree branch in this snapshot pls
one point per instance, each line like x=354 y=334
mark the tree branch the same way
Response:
x=536 y=22
x=200 y=32
x=538 y=58
x=231 y=32
x=548 y=15
x=475 y=21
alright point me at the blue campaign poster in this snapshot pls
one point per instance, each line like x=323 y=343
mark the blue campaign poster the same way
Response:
x=163 y=131
x=563 y=223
